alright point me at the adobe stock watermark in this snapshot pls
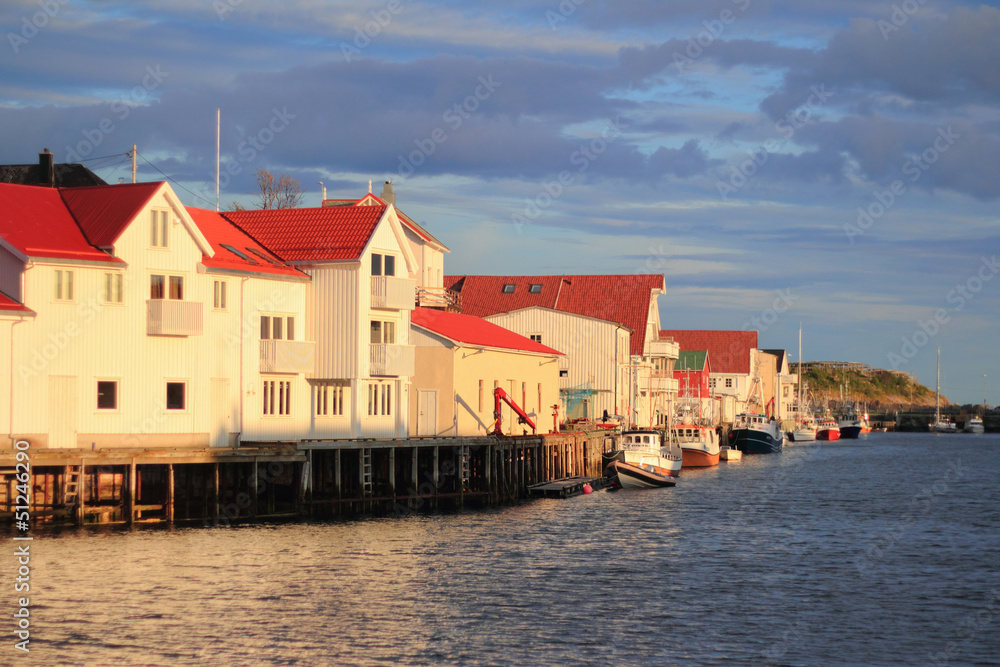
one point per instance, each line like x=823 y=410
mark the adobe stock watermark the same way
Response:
x=968 y=630
x=454 y=116
x=769 y=316
x=566 y=9
x=899 y=17
x=914 y=168
x=703 y=39
x=121 y=108
x=958 y=297
x=30 y=26
x=581 y=158
x=249 y=148
x=786 y=127
x=363 y=36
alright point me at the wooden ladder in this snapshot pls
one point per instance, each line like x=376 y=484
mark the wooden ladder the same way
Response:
x=71 y=486
x=366 y=471
x=464 y=467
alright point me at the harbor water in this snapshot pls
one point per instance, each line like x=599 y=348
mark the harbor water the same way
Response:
x=879 y=551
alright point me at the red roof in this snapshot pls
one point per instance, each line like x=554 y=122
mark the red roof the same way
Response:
x=326 y=233
x=403 y=218
x=474 y=331
x=728 y=350
x=35 y=220
x=256 y=258
x=623 y=299
x=6 y=303
x=104 y=211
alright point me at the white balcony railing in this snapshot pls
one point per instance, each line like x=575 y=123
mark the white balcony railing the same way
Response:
x=664 y=348
x=393 y=293
x=287 y=356
x=171 y=317
x=391 y=359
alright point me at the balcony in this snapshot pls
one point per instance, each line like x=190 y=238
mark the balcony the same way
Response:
x=385 y=359
x=664 y=348
x=393 y=293
x=287 y=356
x=171 y=317
x=439 y=297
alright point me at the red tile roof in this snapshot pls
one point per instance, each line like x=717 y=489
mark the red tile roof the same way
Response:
x=218 y=230
x=36 y=221
x=728 y=350
x=327 y=233
x=474 y=331
x=403 y=218
x=623 y=299
x=104 y=211
x=6 y=303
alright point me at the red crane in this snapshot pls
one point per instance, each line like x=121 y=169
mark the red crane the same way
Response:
x=500 y=395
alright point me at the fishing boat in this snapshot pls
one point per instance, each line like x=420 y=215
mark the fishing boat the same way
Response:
x=974 y=424
x=850 y=425
x=643 y=461
x=828 y=429
x=805 y=425
x=699 y=444
x=756 y=434
x=940 y=425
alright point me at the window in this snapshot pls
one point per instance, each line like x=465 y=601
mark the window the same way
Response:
x=536 y=337
x=383 y=332
x=113 y=287
x=277 y=397
x=276 y=327
x=219 y=295
x=535 y=288
x=711 y=383
x=64 y=285
x=508 y=288
x=175 y=395
x=383 y=265
x=329 y=399
x=238 y=253
x=729 y=383
x=158 y=229
x=379 y=399
x=162 y=287
x=564 y=374
x=107 y=395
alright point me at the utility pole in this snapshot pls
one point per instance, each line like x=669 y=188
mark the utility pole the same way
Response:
x=133 y=162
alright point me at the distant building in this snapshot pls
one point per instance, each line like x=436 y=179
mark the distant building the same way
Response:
x=47 y=173
x=692 y=371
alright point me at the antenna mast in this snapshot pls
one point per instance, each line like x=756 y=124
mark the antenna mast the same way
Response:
x=218 y=131
x=133 y=163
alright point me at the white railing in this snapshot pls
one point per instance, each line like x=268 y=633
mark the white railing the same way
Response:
x=393 y=293
x=388 y=359
x=664 y=348
x=287 y=356
x=171 y=317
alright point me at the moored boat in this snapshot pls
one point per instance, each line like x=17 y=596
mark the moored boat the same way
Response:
x=727 y=453
x=642 y=461
x=974 y=425
x=805 y=430
x=699 y=444
x=828 y=429
x=850 y=425
x=940 y=425
x=756 y=434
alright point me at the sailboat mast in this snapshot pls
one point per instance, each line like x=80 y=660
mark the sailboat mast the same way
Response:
x=800 y=371
x=937 y=388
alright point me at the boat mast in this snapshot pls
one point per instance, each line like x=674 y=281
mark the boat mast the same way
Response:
x=800 y=372
x=937 y=389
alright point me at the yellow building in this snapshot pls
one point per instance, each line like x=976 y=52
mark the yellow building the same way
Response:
x=460 y=360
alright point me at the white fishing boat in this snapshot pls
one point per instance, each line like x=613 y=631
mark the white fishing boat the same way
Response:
x=974 y=425
x=643 y=461
x=805 y=425
x=940 y=425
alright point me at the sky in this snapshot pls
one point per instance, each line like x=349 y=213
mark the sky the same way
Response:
x=829 y=164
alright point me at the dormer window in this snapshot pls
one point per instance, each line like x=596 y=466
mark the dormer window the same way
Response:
x=536 y=288
x=508 y=288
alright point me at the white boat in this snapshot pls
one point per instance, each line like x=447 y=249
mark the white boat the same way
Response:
x=805 y=425
x=643 y=461
x=974 y=425
x=727 y=453
x=940 y=425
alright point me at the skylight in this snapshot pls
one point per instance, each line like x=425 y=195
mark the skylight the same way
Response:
x=535 y=288
x=508 y=288
x=263 y=256
x=236 y=252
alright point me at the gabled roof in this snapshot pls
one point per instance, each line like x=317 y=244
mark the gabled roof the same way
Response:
x=220 y=233
x=728 y=350
x=67 y=175
x=8 y=304
x=374 y=200
x=327 y=233
x=623 y=299
x=105 y=211
x=36 y=222
x=691 y=360
x=469 y=330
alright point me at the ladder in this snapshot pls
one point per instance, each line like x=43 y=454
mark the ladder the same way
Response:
x=366 y=471
x=71 y=486
x=464 y=467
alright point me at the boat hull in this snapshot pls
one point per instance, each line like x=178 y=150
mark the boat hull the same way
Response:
x=752 y=441
x=699 y=458
x=828 y=434
x=804 y=435
x=850 y=432
x=635 y=477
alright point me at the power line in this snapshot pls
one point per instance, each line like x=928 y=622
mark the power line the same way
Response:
x=103 y=157
x=172 y=180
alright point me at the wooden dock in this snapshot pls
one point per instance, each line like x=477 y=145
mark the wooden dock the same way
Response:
x=567 y=487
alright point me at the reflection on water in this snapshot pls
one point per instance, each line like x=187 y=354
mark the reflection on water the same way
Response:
x=839 y=553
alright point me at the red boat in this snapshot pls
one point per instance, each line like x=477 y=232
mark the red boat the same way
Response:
x=828 y=429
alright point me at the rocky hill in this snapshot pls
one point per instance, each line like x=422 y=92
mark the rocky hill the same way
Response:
x=875 y=387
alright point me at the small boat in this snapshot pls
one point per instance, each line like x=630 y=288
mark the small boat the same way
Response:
x=850 y=425
x=974 y=425
x=756 y=434
x=699 y=444
x=727 y=453
x=828 y=429
x=805 y=430
x=643 y=461
x=940 y=425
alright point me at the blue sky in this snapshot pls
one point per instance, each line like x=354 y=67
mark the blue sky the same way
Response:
x=781 y=162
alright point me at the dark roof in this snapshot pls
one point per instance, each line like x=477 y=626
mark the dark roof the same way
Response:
x=781 y=357
x=691 y=360
x=67 y=175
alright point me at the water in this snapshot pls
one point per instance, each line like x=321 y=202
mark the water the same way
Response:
x=878 y=551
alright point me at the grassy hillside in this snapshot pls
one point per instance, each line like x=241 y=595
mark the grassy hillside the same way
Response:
x=874 y=387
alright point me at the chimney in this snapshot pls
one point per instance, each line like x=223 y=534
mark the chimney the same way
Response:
x=46 y=169
x=388 y=196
